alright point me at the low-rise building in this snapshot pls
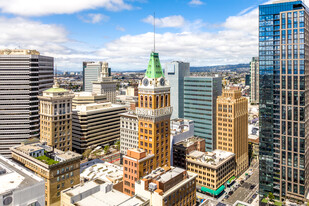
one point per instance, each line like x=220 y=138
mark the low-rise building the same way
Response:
x=128 y=132
x=214 y=169
x=99 y=193
x=106 y=171
x=82 y=98
x=59 y=169
x=168 y=186
x=181 y=129
x=95 y=125
x=136 y=164
x=184 y=147
x=19 y=186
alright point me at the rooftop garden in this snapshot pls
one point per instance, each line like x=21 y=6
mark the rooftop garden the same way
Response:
x=46 y=160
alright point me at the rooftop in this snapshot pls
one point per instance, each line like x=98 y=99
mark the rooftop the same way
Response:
x=96 y=107
x=214 y=158
x=13 y=176
x=19 y=52
x=99 y=193
x=106 y=171
x=188 y=142
x=154 y=69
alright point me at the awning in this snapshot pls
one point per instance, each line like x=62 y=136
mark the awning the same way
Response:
x=213 y=192
x=231 y=180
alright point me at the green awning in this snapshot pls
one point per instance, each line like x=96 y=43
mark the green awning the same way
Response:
x=213 y=192
x=231 y=180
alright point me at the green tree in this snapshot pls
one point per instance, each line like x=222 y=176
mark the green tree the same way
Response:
x=86 y=153
x=117 y=145
x=271 y=196
x=106 y=149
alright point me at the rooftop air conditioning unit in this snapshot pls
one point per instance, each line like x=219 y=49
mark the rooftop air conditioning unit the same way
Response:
x=152 y=187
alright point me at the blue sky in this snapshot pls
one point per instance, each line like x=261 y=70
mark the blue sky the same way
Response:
x=202 y=32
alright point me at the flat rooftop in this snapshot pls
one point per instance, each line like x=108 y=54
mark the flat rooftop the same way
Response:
x=13 y=176
x=170 y=174
x=103 y=195
x=214 y=158
x=106 y=171
x=188 y=142
x=96 y=107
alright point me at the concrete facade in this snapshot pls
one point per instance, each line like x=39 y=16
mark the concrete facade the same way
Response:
x=128 y=132
x=255 y=80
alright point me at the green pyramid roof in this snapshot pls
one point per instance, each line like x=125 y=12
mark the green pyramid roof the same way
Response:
x=154 y=69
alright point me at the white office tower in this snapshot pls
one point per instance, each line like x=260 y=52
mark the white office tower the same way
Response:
x=105 y=84
x=24 y=75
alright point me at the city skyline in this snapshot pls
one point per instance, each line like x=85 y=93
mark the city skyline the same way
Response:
x=190 y=31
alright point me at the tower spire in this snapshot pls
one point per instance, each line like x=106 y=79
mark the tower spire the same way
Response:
x=154 y=31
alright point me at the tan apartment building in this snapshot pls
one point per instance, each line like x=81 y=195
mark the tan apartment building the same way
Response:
x=95 y=124
x=59 y=169
x=136 y=164
x=128 y=131
x=56 y=118
x=168 y=186
x=232 y=126
x=214 y=169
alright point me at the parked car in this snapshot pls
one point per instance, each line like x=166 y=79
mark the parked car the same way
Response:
x=231 y=192
x=226 y=197
x=252 y=186
x=254 y=196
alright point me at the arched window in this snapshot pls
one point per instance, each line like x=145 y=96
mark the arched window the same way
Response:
x=146 y=101
x=157 y=102
x=150 y=101
x=142 y=101
x=166 y=100
x=161 y=104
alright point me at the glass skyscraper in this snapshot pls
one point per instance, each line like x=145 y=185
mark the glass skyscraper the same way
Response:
x=283 y=62
x=200 y=99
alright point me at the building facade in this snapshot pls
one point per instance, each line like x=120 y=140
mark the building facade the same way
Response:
x=128 y=132
x=168 y=186
x=96 y=124
x=105 y=84
x=214 y=169
x=24 y=75
x=181 y=129
x=154 y=112
x=175 y=73
x=91 y=73
x=19 y=186
x=200 y=97
x=283 y=62
x=232 y=127
x=60 y=170
x=255 y=80
x=81 y=98
x=56 y=118
x=183 y=148
x=136 y=164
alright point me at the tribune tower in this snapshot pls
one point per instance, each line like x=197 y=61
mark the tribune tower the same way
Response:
x=154 y=112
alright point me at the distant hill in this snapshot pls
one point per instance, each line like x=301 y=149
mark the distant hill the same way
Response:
x=235 y=67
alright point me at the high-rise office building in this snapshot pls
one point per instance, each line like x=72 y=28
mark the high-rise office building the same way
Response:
x=154 y=112
x=175 y=73
x=200 y=97
x=105 y=84
x=283 y=58
x=24 y=74
x=56 y=118
x=84 y=73
x=254 y=64
x=232 y=127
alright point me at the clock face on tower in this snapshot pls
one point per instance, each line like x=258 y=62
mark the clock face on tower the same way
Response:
x=162 y=82
x=145 y=82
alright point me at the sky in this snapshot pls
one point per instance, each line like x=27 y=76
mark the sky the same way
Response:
x=121 y=32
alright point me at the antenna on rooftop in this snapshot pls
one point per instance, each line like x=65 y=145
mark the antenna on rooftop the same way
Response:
x=154 y=31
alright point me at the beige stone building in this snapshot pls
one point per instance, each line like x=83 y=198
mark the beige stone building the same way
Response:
x=96 y=125
x=56 y=118
x=81 y=98
x=232 y=126
x=105 y=84
x=59 y=169
x=128 y=132
x=214 y=169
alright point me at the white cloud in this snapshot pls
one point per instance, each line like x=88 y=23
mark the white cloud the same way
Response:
x=195 y=2
x=94 y=18
x=119 y=28
x=47 y=7
x=170 y=21
x=236 y=41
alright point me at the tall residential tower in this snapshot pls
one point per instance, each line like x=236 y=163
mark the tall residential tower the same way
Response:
x=283 y=61
x=255 y=80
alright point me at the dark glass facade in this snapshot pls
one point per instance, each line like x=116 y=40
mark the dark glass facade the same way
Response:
x=282 y=63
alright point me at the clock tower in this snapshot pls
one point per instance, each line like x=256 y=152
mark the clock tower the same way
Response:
x=154 y=112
